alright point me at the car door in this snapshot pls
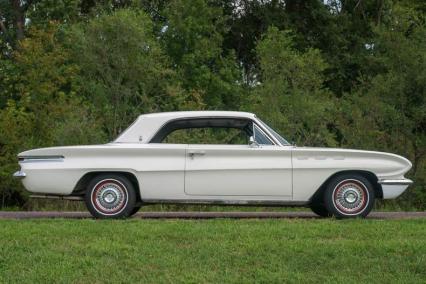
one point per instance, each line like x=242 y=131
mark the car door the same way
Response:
x=238 y=170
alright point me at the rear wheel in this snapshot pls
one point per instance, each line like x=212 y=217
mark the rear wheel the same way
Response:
x=110 y=196
x=349 y=196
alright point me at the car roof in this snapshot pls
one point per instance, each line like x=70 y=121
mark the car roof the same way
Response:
x=146 y=125
x=201 y=113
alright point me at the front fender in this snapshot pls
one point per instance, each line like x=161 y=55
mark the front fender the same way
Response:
x=313 y=166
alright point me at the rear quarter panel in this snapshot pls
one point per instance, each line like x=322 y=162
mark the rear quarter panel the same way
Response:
x=155 y=166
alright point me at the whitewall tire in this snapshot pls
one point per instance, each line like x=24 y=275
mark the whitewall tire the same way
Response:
x=110 y=196
x=349 y=196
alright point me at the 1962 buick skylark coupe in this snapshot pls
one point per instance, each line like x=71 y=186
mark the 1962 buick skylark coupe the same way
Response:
x=212 y=157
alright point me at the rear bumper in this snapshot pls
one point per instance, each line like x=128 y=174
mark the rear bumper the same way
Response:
x=392 y=188
x=19 y=174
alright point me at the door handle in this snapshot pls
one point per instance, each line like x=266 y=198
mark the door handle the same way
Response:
x=192 y=153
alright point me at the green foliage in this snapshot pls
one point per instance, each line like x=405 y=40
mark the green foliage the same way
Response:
x=193 y=39
x=387 y=111
x=124 y=72
x=291 y=95
x=44 y=11
x=40 y=104
x=229 y=136
x=15 y=128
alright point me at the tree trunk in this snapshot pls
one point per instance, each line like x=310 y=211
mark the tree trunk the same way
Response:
x=2 y=26
x=293 y=6
x=379 y=12
x=18 y=19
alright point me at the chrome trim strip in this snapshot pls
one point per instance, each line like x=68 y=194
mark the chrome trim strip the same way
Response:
x=267 y=132
x=252 y=119
x=19 y=174
x=41 y=160
x=227 y=202
x=256 y=125
x=47 y=158
x=77 y=198
x=42 y=157
x=395 y=181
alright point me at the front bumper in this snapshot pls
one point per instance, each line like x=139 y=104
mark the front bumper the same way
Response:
x=392 y=188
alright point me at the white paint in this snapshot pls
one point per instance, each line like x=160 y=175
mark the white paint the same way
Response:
x=225 y=172
x=239 y=170
x=391 y=191
x=147 y=125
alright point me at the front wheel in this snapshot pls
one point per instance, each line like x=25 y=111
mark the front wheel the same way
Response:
x=110 y=196
x=349 y=196
x=135 y=210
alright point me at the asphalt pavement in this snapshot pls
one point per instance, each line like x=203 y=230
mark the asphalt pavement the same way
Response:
x=202 y=215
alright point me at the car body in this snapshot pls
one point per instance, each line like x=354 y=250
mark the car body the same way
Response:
x=264 y=170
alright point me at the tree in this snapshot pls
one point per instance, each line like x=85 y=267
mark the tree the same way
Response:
x=39 y=105
x=388 y=110
x=124 y=72
x=291 y=95
x=193 y=39
x=349 y=73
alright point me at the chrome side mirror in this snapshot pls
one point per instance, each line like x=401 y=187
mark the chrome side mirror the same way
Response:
x=252 y=142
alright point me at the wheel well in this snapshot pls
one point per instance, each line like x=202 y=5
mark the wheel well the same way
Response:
x=368 y=175
x=84 y=181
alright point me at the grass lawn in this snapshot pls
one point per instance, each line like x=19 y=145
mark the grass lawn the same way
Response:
x=217 y=251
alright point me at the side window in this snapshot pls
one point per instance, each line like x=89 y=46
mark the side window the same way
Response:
x=207 y=135
x=261 y=137
x=223 y=131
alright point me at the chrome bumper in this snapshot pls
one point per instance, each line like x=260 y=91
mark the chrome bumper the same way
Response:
x=392 y=188
x=19 y=174
x=396 y=181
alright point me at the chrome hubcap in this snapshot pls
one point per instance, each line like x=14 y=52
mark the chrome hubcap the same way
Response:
x=350 y=197
x=109 y=197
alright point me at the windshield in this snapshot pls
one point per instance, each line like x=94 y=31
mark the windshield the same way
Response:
x=273 y=132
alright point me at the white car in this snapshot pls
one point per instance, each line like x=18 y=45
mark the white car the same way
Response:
x=212 y=157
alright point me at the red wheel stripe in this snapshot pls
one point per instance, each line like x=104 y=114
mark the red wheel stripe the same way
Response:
x=99 y=186
x=364 y=199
